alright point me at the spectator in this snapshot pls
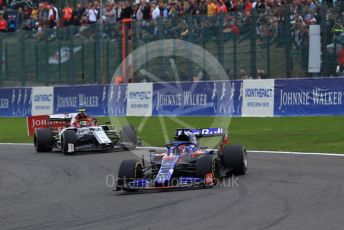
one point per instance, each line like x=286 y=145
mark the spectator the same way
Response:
x=243 y=75
x=248 y=7
x=211 y=8
x=67 y=15
x=118 y=11
x=232 y=28
x=110 y=14
x=127 y=10
x=156 y=11
x=3 y=23
x=53 y=16
x=92 y=14
x=202 y=9
x=340 y=60
x=146 y=12
x=221 y=7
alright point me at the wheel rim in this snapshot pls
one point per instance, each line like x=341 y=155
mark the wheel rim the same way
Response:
x=245 y=160
x=138 y=170
x=215 y=171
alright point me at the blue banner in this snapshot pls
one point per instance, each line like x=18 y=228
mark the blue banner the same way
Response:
x=309 y=97
x=93 y=98
x=195 y=98
x=117 y=100
x=15 y=102
x=291 y=97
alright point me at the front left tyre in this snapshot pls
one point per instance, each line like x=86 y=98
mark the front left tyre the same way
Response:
x=69 y=142
x=129 y=170
x=43 y=140
x=235 y=158
x=208 y=167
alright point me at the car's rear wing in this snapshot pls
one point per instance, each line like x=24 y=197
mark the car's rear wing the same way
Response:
x=204 y=132
x=55 y=121
x=61 y=117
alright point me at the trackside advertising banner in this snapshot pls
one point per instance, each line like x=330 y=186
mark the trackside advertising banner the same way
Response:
x=258 y=98
x=93 y=98
x=309 y=97
x=15 y=102
x=196 y=98
x=42 y=100
x=117 y=100
x=139 y=99
x=248 y=98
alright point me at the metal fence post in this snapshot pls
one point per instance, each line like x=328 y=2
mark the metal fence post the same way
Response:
x=323 y=29
x=59 y=64
x=253 y=45
x=220 y=45
x=71 y=74
x=288 y=45
x=268 y=64
x=46 y=58
x=97 y=77
x=235 y=70
x=2 y=61
x=36 y=62
x=82 y=61
x=6 y=61
x=22 y=58
x=107 y=61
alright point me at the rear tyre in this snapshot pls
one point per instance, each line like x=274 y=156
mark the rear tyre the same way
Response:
x=43 y=140
x=235 y=158
x=208 y=164
x=129 y=135
x=128 y=171
x=68 y=137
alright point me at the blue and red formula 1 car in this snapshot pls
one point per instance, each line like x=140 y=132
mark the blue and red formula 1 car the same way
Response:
x=184 y=163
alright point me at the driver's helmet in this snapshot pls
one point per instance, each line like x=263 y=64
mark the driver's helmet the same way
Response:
x=81 y=115
x=84 y=123
x=191 y=137
x=181 y=149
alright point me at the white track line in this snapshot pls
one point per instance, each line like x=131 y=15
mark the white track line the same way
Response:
x=272 y=152
x=16 y=144
x=249 y=151
x=299 y=153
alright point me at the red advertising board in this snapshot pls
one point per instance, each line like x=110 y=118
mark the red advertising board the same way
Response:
x=42 y=121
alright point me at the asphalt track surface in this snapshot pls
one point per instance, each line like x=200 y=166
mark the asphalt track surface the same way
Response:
x=280 y=191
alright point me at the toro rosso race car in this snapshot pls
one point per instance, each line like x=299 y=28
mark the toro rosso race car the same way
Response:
x=184 y=163
x=80 y=132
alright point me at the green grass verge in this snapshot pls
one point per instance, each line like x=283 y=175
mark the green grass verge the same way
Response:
x=308 y=134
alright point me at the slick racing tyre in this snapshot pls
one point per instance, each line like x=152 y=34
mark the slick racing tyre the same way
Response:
x=68 y=142
x=128 y=171
x=43 y=140
x=208 y=166
x=235 y=158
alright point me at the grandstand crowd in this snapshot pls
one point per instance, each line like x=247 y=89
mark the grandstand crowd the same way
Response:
x=27 y=16
x=23 y=15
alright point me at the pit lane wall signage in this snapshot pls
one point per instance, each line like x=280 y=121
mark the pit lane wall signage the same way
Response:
x=249 y=98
